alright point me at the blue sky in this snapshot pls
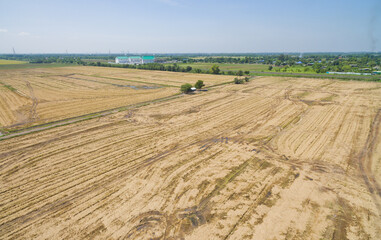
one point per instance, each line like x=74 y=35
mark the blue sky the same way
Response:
x=179 y=26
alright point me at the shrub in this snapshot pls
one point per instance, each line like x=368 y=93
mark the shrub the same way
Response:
x=185 y=88
x=199 y=84
x=238 y=81
x=215 y=69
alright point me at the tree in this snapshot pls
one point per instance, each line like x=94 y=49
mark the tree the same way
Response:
x=176 y=68
x=240 y=73
x=247 y=72
x=282 y=57
x=199 y=84
x=346 y=68
x=238 y=81
x=215 y=69
x=186 y=88
x=247 y=79
x=270 y=68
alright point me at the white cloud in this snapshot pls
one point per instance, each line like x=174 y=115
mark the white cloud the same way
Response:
x=23 y=34
x=3 y=30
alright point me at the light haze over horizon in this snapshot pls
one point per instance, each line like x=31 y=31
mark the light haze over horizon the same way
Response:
x=179 y=26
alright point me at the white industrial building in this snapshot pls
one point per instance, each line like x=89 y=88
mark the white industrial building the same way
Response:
x=135 y=60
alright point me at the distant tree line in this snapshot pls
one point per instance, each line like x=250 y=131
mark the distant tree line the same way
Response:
x=311 y=62
x=319 y=62
x=172 y=68
x=360 y=58
x=148 y=66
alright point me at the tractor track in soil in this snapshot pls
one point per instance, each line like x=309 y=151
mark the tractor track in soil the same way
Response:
x=263 y=160
x=365 y=160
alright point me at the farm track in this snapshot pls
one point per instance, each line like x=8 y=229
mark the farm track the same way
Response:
x=365 y=160
x=270 y=159
x=32 y=114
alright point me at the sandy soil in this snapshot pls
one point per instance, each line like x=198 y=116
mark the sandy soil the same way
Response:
x=36 y=96
x=277 y=158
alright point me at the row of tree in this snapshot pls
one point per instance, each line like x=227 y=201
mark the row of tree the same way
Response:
x=215 y=69
x=320 y=63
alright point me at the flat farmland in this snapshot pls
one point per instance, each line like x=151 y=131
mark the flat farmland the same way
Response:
x=277 y=158
x=40 y=95
x=174 y=79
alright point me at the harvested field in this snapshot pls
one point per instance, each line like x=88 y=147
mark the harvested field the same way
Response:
x=35 y=96
x=175 y=79
x=277 y=158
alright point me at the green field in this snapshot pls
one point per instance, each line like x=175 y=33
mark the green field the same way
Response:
x=34 y=65
x=297 y=69
x=98 y=60
x=11 y=62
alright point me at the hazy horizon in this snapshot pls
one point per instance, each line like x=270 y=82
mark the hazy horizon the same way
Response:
x=178 y=26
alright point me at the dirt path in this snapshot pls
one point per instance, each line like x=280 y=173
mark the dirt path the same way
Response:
x=32 y=113
x=365 y=160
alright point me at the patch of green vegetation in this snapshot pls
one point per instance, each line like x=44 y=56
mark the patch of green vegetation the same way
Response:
x=34 y=65
x=91 y=60
x=296 y=69
x=9 y=87
x=328 y=99
x=11 y=62
x=303 y=94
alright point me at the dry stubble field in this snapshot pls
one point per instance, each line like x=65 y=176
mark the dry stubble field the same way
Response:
x=35 y=96
x=277 y=158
